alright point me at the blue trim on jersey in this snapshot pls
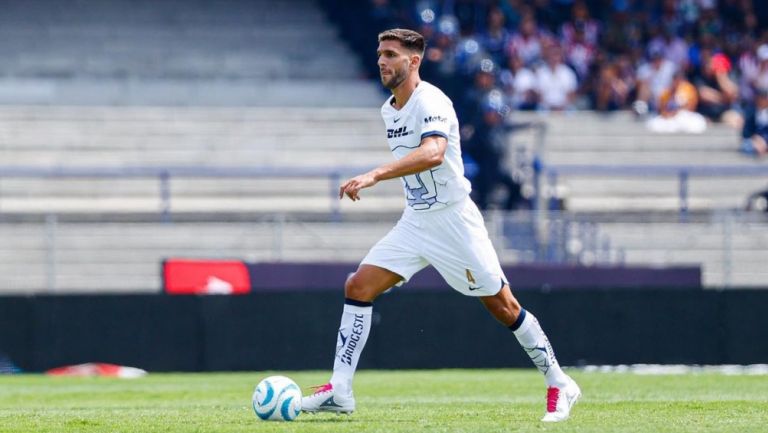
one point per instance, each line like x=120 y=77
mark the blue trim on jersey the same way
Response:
x=431 y=133
x=407 y=147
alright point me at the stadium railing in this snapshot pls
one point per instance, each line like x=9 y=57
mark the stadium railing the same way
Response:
x=164 y=175
x=683 y=172
x=549 y=173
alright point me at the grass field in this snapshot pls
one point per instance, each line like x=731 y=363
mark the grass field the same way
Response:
x=388 y=401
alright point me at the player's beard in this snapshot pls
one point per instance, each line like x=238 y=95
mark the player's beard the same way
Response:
x=397 y=77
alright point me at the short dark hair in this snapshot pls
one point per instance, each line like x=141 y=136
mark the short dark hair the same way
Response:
x=409 y=39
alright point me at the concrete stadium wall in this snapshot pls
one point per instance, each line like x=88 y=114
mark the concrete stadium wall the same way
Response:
x=412 y=329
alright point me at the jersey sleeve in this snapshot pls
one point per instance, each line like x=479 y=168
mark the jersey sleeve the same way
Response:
x=435 y=118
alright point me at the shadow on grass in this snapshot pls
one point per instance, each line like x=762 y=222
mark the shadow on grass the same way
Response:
x=340 y=419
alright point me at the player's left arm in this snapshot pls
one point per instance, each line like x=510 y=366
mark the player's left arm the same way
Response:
x=429 y=154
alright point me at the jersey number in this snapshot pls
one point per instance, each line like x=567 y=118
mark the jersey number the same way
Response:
x=420 y=189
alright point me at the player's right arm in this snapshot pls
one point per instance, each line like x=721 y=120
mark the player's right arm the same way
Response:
x=429 y=154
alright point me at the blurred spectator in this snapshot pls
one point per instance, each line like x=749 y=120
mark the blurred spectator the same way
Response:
x=484 y=82
x=527 y=42
x=597 y=38
x=440 y=63
x=717 y=91
x=749 y=65
x=622 y=33
x=581 y=22
x=579 y=53
x=556 y=83
x=754 y=71
x=677 y=109
x=488 y=149
x=550 y=14
x=709 y=21
x=563 y=54
x=616 y=85
x=653 y=77
x=519 y=84
x=496 y=36
x=672 y=47
x=755 y=131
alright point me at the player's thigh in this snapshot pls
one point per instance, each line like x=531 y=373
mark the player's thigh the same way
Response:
x=369 y=281
x=399 y=251
x=464 y=255
x=470 y=269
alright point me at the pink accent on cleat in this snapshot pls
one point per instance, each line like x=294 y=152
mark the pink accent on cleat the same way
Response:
x=326 y=399
x=552 y=395
x=317 y=389
x=560 y=401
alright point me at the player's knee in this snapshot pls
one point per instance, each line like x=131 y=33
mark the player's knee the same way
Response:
x=356 y=288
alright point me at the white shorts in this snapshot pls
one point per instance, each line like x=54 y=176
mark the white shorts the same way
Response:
x=453 y=240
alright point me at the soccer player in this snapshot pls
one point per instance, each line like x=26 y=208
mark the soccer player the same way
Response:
x=440 y=226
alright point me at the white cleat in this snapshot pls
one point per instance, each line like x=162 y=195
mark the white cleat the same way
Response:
x=326 y=399
x=560 y=401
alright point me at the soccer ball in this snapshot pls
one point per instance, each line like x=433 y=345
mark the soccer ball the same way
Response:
x=277 y=398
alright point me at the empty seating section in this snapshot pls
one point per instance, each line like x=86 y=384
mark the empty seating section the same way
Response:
x=236 y=84
x=148 y=52
x=122 y=257
x=98 y=137
x=125 y=257
x=594 y=139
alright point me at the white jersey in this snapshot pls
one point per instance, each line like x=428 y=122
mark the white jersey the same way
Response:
x=427 y=112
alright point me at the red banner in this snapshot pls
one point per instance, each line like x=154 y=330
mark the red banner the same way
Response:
x=209 y=277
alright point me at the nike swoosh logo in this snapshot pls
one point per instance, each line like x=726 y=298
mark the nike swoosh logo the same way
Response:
x=475 y=288
x=397 y=120
x=329 y=403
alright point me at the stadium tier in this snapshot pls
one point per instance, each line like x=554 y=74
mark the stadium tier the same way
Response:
x=229 y=53
x=67 y=257
x=94 y=257
x=597 y=140
x=119 y=115
x=298 y=138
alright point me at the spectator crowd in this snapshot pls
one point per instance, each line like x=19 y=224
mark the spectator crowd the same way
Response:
x=680 y=63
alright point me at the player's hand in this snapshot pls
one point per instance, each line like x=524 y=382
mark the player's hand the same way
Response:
x=353 y=186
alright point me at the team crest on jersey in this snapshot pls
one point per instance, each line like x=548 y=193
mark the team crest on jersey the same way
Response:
x=399 y=132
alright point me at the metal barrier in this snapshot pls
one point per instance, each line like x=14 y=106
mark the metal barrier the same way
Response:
x=682 y=172
x=165 y=174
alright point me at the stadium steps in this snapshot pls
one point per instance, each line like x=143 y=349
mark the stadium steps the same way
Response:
x=126 y=257
x=143 y=52
x=212 y=137
x=116 y=136
x=704 y=243
x=586 y=138
x=45 y=136
x=95 y=257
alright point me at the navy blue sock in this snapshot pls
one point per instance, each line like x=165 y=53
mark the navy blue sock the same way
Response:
x=515 y=326
x=356 y=303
